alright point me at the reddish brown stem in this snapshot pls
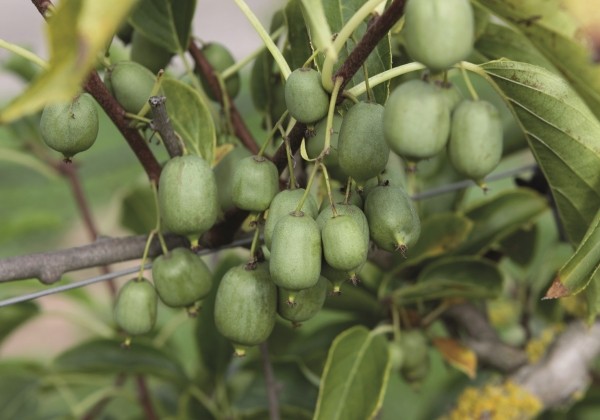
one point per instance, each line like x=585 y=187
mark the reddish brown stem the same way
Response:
x=241 y=131
x=144 y=398
x=69 y=170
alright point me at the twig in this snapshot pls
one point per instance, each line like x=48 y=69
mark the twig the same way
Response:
x=270 y=382
x=50 y=266
x=241 y=131
x=483 y=340
x=160 y=121
x=375 y=33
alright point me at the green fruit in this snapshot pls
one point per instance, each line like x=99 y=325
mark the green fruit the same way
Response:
x=245 y=306
x=305 y=98
x=284 y=203
x=135 y=307
x=224 y=175
x=308 y=302
x=255 y=183
x=438 y=33
x=475 y=146
x=71 y=127
x=150 y=55
x=396 y=353
x=131 y=84
x=295 y=262
x=416 y=362
x=348 y=210
x=220 y=59
x=393 y=220
x=416 y=120
x=181 y=277
x=344 y=245
x=362 y=149
x=187 y=195
x=335 y=277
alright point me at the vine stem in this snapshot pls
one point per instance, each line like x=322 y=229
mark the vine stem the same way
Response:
x=343 y=35
x=382 y=77
x=144 y=398
x=284 y=68
x=270 y=381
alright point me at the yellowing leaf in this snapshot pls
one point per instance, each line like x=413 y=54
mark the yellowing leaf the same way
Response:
x=459 y=356
x=77 y=31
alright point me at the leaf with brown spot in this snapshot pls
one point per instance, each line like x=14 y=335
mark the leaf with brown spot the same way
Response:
x=458 y=355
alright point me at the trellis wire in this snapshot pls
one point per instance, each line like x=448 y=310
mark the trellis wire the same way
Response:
x=246 y=241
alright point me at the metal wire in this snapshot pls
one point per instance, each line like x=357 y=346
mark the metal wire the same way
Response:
x=247 y=241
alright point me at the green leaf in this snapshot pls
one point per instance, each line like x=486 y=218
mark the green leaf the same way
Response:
x=19 y=392
x=298 y=49
x=578 y=271
x=355 y=376
x=498 y=216
x=556 y=34
x=29 y=161
x=563 y=135
x=190 y=118
x=592 y=297
x=165 y=22
x=78 y=31
x=463 y=276
x=138 y=211
x=104 y=356
x=520 y=246
x=440 y=234
x=13 y=316
x=501 y=41
x=338 y=12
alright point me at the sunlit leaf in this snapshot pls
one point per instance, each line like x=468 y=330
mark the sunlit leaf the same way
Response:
x=458 y=355
x=563 y=135
x=165 y=22
x=555 y=28
x=191 y=118
x=355 y=376
x=78 y=31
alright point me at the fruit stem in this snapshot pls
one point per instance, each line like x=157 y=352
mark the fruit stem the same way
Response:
x=161 y=238
x=330 y=112
x=284 y=68
x=155 y=91
x=470 y=87
x=382 y=329
x=237 y=66
x=255 y=237
x=145 y=255
x=328 y=186
x=275 y=128
x=225 y=102
x=343 y=35
x=382 y=77
x=396 y=322
x=308 y=187
x=348 y=188
x=26 y=54
x=290 y=163
x=310 y=59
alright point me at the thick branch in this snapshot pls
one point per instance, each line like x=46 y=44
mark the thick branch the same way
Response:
x=50 y=266
x=241 y=131
x=160 y=121
x=377 y=30
x=564 y=372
